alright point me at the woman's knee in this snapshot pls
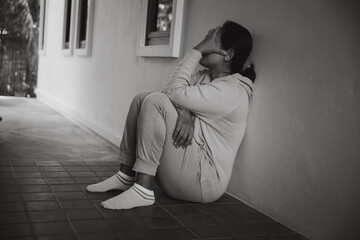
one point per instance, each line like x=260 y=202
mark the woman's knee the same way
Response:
x=140 y=97
x=157 y=99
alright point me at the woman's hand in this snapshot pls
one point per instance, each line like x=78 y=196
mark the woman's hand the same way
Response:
x=184 y=129
x=208 y=45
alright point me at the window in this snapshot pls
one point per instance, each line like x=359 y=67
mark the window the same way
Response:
x=67 y=42
x=43 y=26
x=161 y=22
x=83 y=27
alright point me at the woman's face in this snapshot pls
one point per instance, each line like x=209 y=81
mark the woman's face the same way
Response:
x=213 y=59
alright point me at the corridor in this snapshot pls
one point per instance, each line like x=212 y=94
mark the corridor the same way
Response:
x=46 y=161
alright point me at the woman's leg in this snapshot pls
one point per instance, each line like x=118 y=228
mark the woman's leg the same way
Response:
x=177 y=166
x=124 y=179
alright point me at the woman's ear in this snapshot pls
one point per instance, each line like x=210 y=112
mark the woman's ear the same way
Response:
x=229 y=55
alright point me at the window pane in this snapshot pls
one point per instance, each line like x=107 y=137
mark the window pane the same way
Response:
x=83 y=7
x=164 y=15
x=68 y=21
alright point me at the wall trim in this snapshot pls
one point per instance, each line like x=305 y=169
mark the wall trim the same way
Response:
x=77 y=118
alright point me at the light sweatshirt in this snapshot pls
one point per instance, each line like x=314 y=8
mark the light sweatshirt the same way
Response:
x=220 y=107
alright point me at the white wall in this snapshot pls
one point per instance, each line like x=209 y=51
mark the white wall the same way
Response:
x=299 y=161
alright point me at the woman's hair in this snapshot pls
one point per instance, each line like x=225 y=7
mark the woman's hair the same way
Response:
x=238 y=38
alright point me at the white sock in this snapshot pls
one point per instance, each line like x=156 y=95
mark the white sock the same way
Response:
x=119 y=181
x=136 y=196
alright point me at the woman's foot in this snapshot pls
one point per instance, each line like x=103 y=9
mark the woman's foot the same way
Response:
x=136 y=196
x=120 y=181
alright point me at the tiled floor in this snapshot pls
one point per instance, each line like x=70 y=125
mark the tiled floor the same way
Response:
x=48 y=200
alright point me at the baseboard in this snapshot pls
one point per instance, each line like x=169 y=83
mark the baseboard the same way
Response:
x=76 y=117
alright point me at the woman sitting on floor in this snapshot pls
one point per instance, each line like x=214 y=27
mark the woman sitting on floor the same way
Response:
x=187 y=135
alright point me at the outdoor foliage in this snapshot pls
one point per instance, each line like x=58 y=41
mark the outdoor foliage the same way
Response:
x=19 y=30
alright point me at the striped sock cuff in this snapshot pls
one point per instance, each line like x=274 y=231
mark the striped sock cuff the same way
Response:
x=143 y=192
x=123 y=180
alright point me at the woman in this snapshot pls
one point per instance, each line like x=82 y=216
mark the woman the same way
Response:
x=187 y=135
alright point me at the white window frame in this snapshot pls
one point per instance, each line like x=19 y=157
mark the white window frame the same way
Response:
x=171 y=50
x=68 y=51
x=89 y=28
x=43 y=26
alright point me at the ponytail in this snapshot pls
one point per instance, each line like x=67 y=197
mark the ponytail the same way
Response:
x=249 y=72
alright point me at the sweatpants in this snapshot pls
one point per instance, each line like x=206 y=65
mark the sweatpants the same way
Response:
x=147 y=146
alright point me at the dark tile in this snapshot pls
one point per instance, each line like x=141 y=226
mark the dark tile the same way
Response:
x=13 y=217
x=56 y=174
x=42 y=205
x=127 y=213
x=52 y=228
x=140 y=235
x=226 y=198
x=9 y=197
x=8 y=189
x=47 y=216
x=99 y=235
x=34 y=188
x=31 y=181
x=89 y=180
x=5 y=169
x=162 y=199
x=23 y=163
x=52 y=169
x=48 y=163
x=5 y=175
x=212 y=231
x=91 y=225
x=70 y=195
x=26 y=169
x=176 y=234
x=4 y=182
x=82 y=174
x=272 y=227
x=181 y=210
x=210 y=209
x=46 y=196
x=28 y=175
x=255 y=217
x=196 y=220
x=102 y=196
x=162 y=222
x=60 y=180
x=239 y=208
x=77 y=204
x=130 y=224
x=255 y=238
x=96 y=163
x=226 y=218
x=72 y=163
x=15 y=230
x=11 y=207
x=102 y=168
x=151 y=211
x=77 y=168
x=241 y=230
x=82 y=214
x=57 y=237
x=65 y=188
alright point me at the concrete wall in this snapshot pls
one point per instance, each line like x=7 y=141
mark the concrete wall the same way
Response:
x=299 y=161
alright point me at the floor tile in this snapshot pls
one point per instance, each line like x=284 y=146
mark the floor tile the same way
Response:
x=52 y=168
x=46 y=196
x=8 y=189
x=11 y=207
x=26 y=169
x=151 y=211
x=91 y=225
x=60 y=180
x=129 y=213
x=272 y=227
x=49 y=228
x=15 y=230
x=42 y=205
x=212 y=231
x=226 y=218
x=82 y=214
x=56 y=174
x=72 y=163
x=70 y=195
x=103 y=168
x=210 y=209
x=105 y=174
x=31 y=181
x=99 y=235
x=162 y=222
x=82 y=174
x=5 y=175
x=181 y=210
x=48 y=163
x=5 y=169
x=241 y=230
x=77 y=168
x=4 y=182
x=196 y=220
x=47 y=216
x=255 y=217
x=294 y=236
x=33 y=188
x=58 y=237
x=128 y=224
x=13 y=217
x=87 y=180
x=139 y=235
x=23 y=163
x=176 y=234
x=9 y=197
x=65 y=188
x=77 y=204
x=28 y=175
x=239 y=208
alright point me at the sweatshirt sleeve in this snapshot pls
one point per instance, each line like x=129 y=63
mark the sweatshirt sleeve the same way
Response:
x=212 y=100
